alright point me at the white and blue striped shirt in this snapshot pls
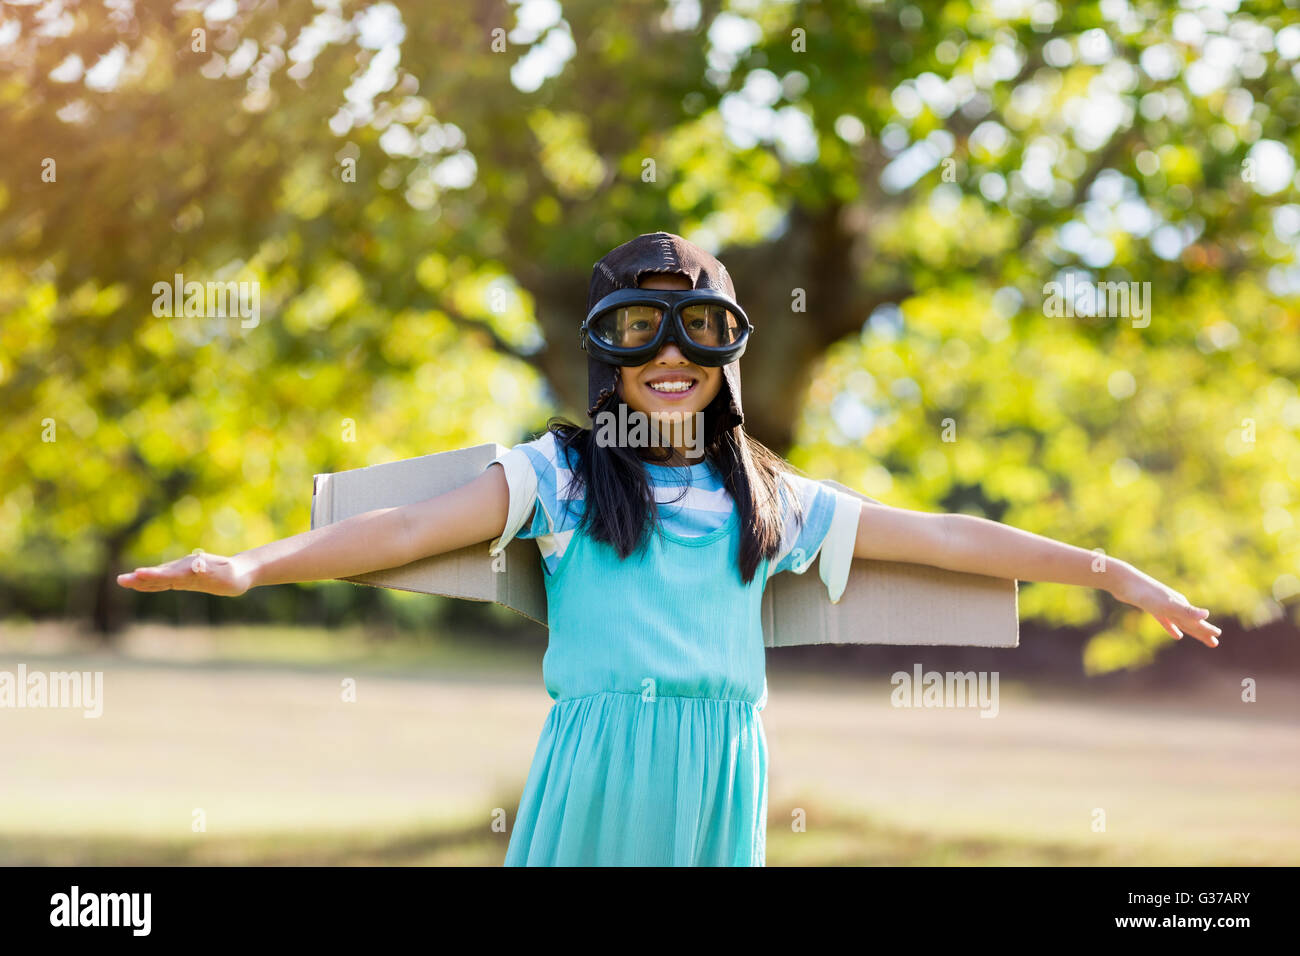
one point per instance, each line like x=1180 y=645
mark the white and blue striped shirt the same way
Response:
x=692 y=502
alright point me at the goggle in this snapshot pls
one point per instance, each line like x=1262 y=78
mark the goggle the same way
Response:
x=630 y=326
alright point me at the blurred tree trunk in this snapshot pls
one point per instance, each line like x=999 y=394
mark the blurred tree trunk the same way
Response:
x=107 y=612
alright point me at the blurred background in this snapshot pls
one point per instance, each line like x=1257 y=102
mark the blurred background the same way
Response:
x=411 y=198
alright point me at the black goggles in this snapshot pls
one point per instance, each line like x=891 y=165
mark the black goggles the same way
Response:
x=630 y=326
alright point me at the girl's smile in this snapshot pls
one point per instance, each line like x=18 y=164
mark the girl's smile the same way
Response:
x=669 y=383
x=673 y=385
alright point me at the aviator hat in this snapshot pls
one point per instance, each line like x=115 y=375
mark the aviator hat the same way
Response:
x=621 y=268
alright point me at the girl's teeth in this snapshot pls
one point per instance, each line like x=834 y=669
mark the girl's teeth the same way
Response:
x=672 y=386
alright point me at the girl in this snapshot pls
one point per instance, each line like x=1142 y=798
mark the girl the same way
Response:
x=655 y=561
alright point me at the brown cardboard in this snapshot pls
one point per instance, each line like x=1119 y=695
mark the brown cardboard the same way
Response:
x=883 y=603
x=467 y=573
x=891 y=602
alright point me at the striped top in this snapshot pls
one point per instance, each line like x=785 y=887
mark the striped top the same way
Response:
x=692 y=501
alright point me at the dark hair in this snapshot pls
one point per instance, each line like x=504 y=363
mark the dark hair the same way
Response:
x=620 y=504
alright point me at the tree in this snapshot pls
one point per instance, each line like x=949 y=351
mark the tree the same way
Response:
x=409 y=186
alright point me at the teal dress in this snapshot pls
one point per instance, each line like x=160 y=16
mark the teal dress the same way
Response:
x=653 y=753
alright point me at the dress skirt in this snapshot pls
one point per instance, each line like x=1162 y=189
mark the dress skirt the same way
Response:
x=642 y=779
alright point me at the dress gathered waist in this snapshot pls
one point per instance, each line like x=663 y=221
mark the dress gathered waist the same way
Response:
x=660 y=696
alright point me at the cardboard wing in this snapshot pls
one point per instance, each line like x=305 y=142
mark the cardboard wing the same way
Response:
x=884 y=602
x=469 y=573
x=889 y=602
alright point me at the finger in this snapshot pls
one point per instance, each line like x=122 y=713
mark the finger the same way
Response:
x=156 y=580
x=139 y=585
x=1201 y=629
x=174 y=570
x=1169 y=626
x=148 y=579
x=134 y=579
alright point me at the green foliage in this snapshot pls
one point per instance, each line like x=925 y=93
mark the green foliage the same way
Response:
x=420 y=211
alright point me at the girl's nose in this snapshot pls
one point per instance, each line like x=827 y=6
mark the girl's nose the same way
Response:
x=670 y=353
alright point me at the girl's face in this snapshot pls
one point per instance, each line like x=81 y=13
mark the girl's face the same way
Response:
x=637 y=384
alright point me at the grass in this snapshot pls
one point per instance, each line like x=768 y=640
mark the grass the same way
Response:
x=843 y=839
x=250 y=731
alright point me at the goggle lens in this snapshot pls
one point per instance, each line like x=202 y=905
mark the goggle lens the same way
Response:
x=628 y=327
x=712 y=326
x=633 y=326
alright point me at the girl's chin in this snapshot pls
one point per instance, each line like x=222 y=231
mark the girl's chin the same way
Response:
x=677 y=408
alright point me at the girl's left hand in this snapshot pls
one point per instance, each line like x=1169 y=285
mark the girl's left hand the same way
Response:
x=1166 y=605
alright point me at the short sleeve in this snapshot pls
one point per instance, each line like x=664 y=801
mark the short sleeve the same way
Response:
x=829 y=528
x=539 y=484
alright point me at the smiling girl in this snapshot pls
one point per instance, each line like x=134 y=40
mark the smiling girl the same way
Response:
x=655 y=562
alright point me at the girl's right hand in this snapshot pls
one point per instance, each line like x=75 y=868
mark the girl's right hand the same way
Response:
x=200 y=571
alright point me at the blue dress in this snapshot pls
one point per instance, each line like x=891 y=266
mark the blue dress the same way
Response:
x=653 y=753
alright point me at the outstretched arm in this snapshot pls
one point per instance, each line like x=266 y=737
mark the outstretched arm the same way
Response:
x=959 y=542
x=371 y=541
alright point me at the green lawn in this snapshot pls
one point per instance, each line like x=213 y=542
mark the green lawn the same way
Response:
x=248 y=727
